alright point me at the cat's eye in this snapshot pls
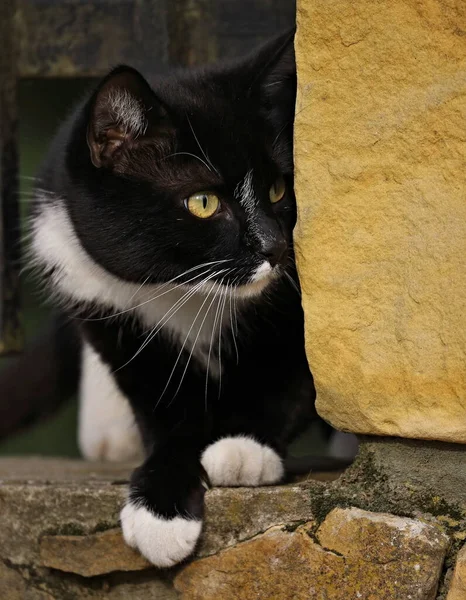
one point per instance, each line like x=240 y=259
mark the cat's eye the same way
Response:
x=277 y=191
x=203 y=204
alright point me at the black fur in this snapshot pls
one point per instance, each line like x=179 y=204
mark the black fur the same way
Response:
x=125 y=194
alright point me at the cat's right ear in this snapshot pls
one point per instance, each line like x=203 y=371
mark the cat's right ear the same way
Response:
x=122 y=111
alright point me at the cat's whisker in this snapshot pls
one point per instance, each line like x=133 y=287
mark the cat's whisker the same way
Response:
x=208 y=361
x=212 y=336
x=220 y=330
x=188 y=154
x=158 y=326
x=181 y=350
x=174 y=309
x=167 y=283
x=235 y=308
x=132 y=308
x=168 y=315
x=159 y=295
x=190 y=270
x=191 y=291
x=195 y=341
x=232 y=325
x=292 y=282
x=279 y=133
x=139 y=289
x=288 y=123
x=200 y=147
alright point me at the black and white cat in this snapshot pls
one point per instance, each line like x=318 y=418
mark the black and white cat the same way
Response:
x=163 y=226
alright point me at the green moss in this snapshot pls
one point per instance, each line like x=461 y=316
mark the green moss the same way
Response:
x=290 y=527
x=67 y=529
x=78 y=529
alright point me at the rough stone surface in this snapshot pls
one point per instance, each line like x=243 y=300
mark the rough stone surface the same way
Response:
x=380 y=155
x=49 y=500
x=90 y=555
x=62 y=514
x=238 y=514
x=357 y=555
x=13 y=586
x=458 y=583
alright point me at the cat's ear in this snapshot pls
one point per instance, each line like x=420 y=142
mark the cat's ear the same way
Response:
x=278 y=69
x=276 y=88
x=123 y=110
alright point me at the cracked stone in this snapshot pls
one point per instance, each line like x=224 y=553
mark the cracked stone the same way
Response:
x=355 y=554
x=90 y=555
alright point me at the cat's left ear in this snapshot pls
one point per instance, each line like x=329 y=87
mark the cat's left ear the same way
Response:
x=276 y=75
x=122 y=111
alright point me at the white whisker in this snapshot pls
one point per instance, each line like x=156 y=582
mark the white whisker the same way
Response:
x=200 y=147
x=232 y=325
x=220 y=346
x=212 y=336
x=181 y=350
x=293 y=283
x=189 y=154
x=168 y=315
x=195 y=341
x=162 y=293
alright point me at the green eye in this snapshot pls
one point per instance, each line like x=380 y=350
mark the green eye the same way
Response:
x=203 y=204
x=277 y=191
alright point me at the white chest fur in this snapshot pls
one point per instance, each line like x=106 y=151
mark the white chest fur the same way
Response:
x=196 y=320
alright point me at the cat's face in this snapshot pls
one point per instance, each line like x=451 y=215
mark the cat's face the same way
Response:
x=190 y=180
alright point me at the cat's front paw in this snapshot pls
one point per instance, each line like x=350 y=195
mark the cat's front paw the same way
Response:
x=164 y=542
x=241 y=461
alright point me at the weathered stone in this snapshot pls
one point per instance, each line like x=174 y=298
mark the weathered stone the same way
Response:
x=236 y=514
x=48 y=498
x=90 y=555
x=380 y=149
x=359 y=555
x=54 y=507
x=410 y=551
x=14 y=587
x=79 y=499
x=457 y=589
x=149 y=585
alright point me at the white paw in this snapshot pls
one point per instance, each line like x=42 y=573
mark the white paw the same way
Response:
x=240 y=460
x=107 y=430
x=164 y=542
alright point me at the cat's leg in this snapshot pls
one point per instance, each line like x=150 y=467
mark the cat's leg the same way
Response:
x=163 y=514
x=253 y=426
x=106 y=429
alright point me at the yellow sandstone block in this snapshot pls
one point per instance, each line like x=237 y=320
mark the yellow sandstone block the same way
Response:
x=380 y=152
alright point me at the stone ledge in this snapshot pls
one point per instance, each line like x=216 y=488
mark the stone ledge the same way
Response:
x=60 y=537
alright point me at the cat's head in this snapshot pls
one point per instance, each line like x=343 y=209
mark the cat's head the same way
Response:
x=189 y=178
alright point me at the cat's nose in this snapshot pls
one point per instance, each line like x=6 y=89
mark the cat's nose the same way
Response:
x=274 y=250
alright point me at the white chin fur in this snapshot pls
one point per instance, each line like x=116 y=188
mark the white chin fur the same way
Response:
x=164 y=542
x=241 y=461
x=106 y=429
x=260 y=279
x=262 y=272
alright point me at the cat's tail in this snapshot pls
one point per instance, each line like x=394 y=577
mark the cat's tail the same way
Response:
x=36 y=383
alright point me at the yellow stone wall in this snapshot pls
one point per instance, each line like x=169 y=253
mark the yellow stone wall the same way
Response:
x=380 y=152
